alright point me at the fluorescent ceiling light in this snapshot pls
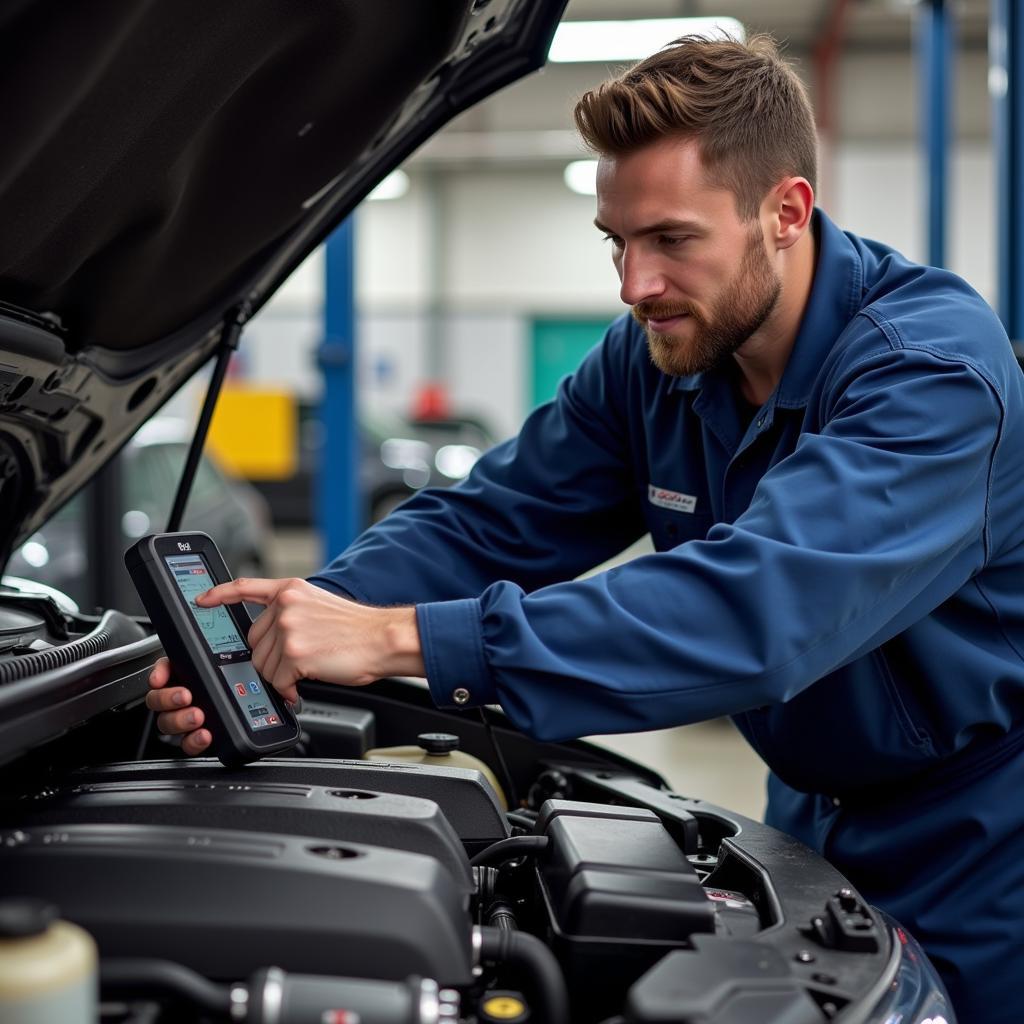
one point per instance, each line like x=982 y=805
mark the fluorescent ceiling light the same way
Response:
x=581 y=177
x=599 y=41
x=394 y=186
x=35 y=554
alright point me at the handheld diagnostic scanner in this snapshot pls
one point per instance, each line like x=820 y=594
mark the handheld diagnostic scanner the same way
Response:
x=207 y=647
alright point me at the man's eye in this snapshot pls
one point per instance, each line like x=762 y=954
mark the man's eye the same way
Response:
x=674 y=241
x=614 y=239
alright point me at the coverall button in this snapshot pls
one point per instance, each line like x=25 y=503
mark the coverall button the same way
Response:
x=460 y=695
x=836 y=802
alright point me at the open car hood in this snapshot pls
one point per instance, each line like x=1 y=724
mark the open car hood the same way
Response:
x=167 y=165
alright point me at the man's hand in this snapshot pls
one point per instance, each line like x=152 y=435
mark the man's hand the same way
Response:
x=304 y=632
x=176 y=716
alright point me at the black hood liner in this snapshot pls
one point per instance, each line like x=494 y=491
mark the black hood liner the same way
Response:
x=155 y=151
x=167 y=163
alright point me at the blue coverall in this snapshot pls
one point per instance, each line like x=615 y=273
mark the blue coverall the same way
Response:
x=841 y=570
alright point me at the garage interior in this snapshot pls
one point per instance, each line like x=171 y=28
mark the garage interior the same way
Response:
x=483 y=241
x=392 y=844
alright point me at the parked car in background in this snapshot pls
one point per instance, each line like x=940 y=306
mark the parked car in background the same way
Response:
x=227 y=508
x=397 y=457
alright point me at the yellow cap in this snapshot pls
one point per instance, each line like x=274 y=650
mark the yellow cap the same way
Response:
x=504 y=1007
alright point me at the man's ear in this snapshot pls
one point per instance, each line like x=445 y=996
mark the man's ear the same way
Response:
x=788 y=207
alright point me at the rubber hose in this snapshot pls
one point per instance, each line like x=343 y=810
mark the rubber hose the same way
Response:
x=112 y=628
x=501 y=914
x=509 y=849
x=522 y=819
x=140 y=976
x=527 y=953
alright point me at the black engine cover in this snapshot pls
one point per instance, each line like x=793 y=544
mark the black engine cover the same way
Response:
x=345 y=815
x=226 y=903
x=465 y=799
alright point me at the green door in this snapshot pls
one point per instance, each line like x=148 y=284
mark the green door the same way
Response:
x=558 y=348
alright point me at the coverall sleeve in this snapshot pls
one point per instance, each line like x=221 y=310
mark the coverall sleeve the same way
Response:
x=866 y=526
x=543 y=507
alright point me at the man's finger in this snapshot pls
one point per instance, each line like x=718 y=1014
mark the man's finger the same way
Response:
x=290 y=692
x=161 y=674
x=261 y=649
x=196 y=742
x=168 y=700
x=261 y=625
x=258 y=591
x=176 y=723
x=271 y=661
x=280 y=673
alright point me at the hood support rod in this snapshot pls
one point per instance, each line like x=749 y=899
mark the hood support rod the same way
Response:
x=228 y=345
x=230 y=334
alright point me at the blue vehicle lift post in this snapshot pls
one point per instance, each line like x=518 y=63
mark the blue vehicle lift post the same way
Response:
x=935 y=60
x=337 y=474
x=1006 y=84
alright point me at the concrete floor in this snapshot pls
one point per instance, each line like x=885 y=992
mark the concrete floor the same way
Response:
x=709 y=760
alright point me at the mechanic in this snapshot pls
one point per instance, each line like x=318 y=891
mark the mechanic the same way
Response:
x=825 y=442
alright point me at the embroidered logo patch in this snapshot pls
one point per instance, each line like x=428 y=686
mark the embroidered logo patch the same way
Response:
x=670 y=499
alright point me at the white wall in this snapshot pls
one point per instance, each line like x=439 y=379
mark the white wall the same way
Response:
x=881 y=194
x=394 y=268
x=525 y=242
x=490 y=368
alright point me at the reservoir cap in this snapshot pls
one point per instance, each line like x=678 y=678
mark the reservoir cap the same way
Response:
x=20 y=919
x=438 y=742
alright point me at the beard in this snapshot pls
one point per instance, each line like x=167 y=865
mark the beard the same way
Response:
x=742 y=308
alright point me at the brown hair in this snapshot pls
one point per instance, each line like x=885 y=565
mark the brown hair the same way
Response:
x=741 y=101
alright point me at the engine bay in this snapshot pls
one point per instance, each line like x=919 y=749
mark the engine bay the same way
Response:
x=402 y=864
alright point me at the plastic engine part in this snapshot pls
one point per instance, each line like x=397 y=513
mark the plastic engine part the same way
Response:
x=620 y=894
x=223 y=902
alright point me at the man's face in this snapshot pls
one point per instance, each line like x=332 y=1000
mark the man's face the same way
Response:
x=697 y=276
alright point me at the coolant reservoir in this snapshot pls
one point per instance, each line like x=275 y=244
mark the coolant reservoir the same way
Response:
x=440 y=749
x=47 y=967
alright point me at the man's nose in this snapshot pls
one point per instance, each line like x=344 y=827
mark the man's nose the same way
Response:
x=640 y=278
